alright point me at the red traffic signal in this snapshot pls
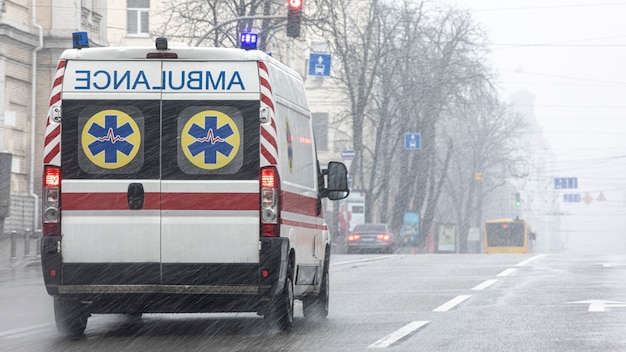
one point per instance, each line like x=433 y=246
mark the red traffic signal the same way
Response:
x=295 y=4
x=294 y=17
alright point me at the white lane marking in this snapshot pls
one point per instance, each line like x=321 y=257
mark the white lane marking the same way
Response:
x=597 y=305
x=451 y=303
x=612 y=265
x=485 y=284
x=362 y=260
x=507 y=272
x=24 y=330
x=398 y=334
x=525 y=262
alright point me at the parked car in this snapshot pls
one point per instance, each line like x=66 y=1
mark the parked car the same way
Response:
x=371 y=238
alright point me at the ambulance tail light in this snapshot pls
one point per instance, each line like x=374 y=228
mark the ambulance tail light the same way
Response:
x=270 y=199
x=51 y=201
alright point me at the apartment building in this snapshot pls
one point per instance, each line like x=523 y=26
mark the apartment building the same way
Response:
x=33 y=33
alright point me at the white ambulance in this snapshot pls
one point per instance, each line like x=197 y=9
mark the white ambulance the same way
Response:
x=183 y=180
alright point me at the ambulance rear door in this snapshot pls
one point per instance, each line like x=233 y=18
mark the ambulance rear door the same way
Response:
x=110 y=171
x=210 y=181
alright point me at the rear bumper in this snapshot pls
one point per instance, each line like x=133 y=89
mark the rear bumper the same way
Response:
x=157 y=289
x=129 y=303
x=164 y=288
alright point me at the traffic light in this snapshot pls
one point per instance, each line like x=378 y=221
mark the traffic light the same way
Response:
x=518 y=200
x=294 y=17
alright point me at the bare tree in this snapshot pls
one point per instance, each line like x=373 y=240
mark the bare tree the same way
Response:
x=489 y=143
x=395 y=99
x=449 y=60
x=355 y=30
x=402 y=68
x=219 y=23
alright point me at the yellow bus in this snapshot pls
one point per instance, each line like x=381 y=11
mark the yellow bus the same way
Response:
x=506 y=236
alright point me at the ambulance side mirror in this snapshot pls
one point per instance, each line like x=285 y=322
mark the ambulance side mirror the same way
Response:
x=336 y=177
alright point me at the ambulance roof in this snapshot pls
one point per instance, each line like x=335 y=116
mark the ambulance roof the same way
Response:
x=184 y=53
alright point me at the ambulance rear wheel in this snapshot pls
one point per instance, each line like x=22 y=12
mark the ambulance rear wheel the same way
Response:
x=70 y=317
x=282 y=309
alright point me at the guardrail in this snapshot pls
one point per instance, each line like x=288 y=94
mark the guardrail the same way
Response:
x=25 y=244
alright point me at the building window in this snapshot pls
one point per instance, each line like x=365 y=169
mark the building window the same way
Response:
x=320 y=128
x=138 y=17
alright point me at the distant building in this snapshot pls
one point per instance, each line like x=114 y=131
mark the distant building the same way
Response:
x=541 y=206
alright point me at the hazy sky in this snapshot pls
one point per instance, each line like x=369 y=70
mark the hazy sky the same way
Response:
x=571 y=54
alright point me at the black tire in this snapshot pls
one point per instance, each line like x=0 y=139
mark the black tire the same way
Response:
x=70 y=317
x=316 y=308
x=282 y=307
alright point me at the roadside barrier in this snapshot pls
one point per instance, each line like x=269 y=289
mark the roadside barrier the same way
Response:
x=29 y=241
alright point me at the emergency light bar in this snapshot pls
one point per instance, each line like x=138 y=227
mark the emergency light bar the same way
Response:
x=248 y=41
x=80 y=40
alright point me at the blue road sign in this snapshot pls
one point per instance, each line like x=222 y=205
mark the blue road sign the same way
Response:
x=572 y=198
x=319 y=64
x=347 y=154
x=412 y=141
x=566 y=183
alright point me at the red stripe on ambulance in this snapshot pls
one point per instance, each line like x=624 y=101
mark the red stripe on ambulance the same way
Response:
x=264 y=151
x=269 y=148
x=52 y=144
x=308 y=225
x=163 y=201
x=54 y=133
x=299 y=204
x=210 y=201
x=53 y=153
x=106 y=201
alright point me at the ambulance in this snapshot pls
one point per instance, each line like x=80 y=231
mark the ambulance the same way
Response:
x=182 y=180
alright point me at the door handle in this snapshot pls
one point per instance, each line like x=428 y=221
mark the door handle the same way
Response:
x=135 y=196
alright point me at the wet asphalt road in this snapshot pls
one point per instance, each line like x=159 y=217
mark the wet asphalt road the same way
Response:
x=568 y=301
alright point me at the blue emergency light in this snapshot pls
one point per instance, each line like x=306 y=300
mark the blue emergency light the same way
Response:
x=80 y=40
x=248 y=41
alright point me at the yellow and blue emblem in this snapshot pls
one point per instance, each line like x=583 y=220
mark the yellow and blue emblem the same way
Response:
x=210 y=140
x=111 y=139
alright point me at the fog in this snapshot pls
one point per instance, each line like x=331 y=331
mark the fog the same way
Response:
x=569 y=56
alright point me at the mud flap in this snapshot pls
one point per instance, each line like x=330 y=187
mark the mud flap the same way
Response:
x=51 y=264
x=273 y=270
